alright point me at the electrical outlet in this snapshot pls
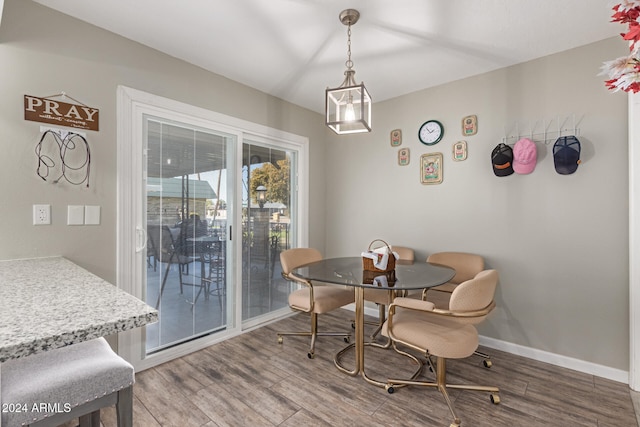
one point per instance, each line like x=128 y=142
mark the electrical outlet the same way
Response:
x=41 y=214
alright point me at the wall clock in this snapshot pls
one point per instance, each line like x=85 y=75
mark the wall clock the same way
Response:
x=430 y=132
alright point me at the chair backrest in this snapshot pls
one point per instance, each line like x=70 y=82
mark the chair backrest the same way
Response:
x=162 y=240
x=466 y=265
x=406 y=254
x=184 y=232
x=293 y=258
x=475 y=294
x=191 y=227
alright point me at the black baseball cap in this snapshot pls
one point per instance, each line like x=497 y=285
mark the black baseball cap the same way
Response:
x=502 y=160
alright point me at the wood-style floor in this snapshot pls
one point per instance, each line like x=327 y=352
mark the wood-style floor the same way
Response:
x=251 y=380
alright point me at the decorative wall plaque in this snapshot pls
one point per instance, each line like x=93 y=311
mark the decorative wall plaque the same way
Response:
x=403 y=156
x=46 y=110
x=396 y=137
x=460 y=151
x=431 y=168
x=469 y=125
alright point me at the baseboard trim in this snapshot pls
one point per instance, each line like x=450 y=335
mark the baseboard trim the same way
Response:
x=540 y=355
x=556 y=359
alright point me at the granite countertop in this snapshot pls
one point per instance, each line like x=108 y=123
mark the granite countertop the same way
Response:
x=46 y=303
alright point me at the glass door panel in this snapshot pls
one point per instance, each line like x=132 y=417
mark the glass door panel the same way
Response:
x=268 y=209
x=187 y=245
x=187 y=181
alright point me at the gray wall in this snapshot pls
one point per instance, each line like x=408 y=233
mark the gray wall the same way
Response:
x=560 y=243
x=43 y=53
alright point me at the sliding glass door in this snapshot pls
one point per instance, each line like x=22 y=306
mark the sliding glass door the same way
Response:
x=268 y=226
x=206 y=203
x=186 y=223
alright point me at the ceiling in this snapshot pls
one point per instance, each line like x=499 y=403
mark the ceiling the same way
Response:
x=294 y=49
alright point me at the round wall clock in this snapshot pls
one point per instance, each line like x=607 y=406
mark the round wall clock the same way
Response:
x=431 y=132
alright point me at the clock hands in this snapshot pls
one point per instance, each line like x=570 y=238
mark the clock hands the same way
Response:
x=430 y=132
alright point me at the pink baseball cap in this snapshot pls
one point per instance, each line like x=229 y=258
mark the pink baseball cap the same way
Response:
x=525 y=155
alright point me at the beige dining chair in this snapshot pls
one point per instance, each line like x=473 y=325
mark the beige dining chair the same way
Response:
x=383 y=298
x=466 y=265
x=312 y=298
x=443 y=334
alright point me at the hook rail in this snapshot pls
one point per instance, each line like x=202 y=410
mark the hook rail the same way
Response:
x=551 y=130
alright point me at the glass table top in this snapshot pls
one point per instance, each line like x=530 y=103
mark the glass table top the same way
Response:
x=348 y=271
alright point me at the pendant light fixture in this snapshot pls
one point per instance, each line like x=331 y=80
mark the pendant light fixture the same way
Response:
x=348 y=107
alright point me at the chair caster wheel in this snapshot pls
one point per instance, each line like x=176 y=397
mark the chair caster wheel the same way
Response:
x=495 y=399
x=347 y=340
x=280 y=339
x=389 y=388
x=353 y=325
x=487 y=363
x=311 y=355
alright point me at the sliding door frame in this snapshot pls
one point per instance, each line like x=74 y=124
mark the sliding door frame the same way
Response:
x=133 y=105
x=634 y=241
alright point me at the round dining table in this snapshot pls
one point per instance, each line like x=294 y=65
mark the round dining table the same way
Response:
x=348 y=271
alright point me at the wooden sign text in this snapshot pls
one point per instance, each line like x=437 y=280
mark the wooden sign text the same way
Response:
x=46 y=110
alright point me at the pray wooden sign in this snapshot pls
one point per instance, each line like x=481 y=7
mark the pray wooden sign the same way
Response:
x=46 y=110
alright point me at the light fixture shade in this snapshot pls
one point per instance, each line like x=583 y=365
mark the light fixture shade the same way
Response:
x=348 y=109
x=261 y=195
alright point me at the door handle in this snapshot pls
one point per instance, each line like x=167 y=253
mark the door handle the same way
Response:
x=141 y=231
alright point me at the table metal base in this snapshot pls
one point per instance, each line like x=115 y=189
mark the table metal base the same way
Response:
x=359 y=345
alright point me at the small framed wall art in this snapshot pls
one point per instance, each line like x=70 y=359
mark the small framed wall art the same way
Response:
x=470 y=125
x=403 y=156
x=460 y=151
x=395 y=137
x=431 y=168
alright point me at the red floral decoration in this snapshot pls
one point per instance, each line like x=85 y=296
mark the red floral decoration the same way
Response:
x=624 y=73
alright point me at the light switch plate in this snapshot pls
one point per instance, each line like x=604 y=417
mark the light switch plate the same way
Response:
x=75 y=215
x=92 y=215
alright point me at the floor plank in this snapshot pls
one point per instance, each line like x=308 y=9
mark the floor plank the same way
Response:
x=252 y=380
x=166 y=401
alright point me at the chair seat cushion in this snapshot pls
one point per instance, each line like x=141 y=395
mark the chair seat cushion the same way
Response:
x=439 y=299
x=326 y=298
x=413 y=293
x=59 y=380
x=446 y=287
x=440 y=336
x=378 y=296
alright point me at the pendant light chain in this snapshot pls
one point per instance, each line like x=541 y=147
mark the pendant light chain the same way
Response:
x=349 y=62
x=348 y=106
